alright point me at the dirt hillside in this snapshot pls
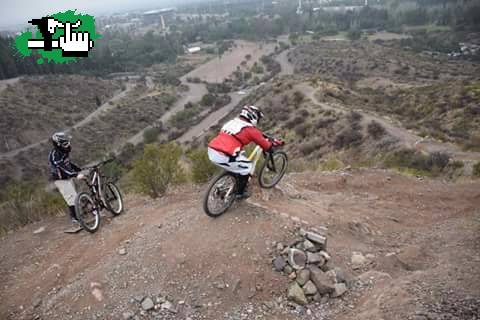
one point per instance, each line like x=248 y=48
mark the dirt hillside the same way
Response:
x=420 y=238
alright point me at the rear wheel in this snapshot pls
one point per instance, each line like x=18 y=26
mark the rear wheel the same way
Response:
x=273 y=169
x=87 y=212
x=220 y=194
x=113 y=199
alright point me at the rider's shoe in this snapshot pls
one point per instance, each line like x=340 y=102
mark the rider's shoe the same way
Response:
x=75 y=222
x=244 y=195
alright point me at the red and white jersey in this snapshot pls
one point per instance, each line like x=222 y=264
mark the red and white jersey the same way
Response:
x=236 y=134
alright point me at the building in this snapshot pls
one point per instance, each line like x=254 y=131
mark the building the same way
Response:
x=162 y=17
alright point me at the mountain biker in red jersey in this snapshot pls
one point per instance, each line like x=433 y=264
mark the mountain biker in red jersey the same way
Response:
x=226 y=149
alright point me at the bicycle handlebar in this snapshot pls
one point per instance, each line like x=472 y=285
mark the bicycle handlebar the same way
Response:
x=96 y=166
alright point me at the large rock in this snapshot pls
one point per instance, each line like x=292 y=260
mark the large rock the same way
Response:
x=297 y=258
x=303 y=276
x=279 y=263
x=358 y=260
x=340 y=288
x=309 y=246
x=315 y=258
x=323 y=283
x=167 y=305
x=287 y=269
x=147 y=304
x=309 y=288
x=318 y=239
x=295 y=293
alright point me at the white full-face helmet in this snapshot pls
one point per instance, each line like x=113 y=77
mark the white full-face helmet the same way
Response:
x=252 y=114
x=61 y=140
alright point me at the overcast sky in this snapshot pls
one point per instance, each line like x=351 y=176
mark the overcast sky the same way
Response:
x=13 y=12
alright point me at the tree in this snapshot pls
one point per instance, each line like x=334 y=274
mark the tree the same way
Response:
x=208 y=100
x=157 y=169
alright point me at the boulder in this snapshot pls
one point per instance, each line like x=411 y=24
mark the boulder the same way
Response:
x=297 y=258
x=167 y=305
x=340 y=288
x=358 y=260
x=303 y=276
x=315 y=258
x=318 y=239
x=287 y=269
x=323 y=283
x=147 y=304
x=309 y=246
x=295 y=294
x=325 y=255
x=309 y=288
x=279 y=263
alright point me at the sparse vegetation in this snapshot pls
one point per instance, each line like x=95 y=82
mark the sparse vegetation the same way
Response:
x=413 y=162
x=23 y=203
x=202 y=169
x=150 y=135
x=376 y=130
x=476 y=170
x=330 y=164
x=157 y=169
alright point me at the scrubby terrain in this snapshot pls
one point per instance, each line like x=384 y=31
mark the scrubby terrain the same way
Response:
x=401 y=208
x=420 y=254
x=36 y=106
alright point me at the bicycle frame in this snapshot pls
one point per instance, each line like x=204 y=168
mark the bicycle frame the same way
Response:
x=95 y=183
x=254 y=157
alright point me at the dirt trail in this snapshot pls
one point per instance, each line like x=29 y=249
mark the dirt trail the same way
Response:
x=107 y=106
x=422 y=237
x=405 y=137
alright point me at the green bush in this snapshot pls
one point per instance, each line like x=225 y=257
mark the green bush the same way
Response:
x=157 y=168
x=414 y=162
x=354 y=34
x=184 y=118
x=208 y=100
x=25 y=203
x=476 y=169
x=150 y=135
x=202 y=168
x=167 y=99
x=375 y=130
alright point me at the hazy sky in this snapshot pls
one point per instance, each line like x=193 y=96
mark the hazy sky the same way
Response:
x=14 y=12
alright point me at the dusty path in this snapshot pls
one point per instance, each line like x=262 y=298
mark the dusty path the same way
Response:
x=107 y=106
x=415 y=232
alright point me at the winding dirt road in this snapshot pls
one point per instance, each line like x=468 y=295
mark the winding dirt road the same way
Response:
x=404 y=136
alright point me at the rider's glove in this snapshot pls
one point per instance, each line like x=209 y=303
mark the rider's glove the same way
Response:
x=277 y=143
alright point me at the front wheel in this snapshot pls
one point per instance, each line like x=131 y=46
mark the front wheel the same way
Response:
x=273 y=169
x=87 y=212
x=113 y=199
x=220 y=194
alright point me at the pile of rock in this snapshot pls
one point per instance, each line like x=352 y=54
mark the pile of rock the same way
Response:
x=307 y=263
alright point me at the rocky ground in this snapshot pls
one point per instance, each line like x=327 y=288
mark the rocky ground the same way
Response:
x=409 y=248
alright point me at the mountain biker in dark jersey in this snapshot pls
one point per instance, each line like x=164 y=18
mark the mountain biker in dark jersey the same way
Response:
x=63 y=171
x=226 y=149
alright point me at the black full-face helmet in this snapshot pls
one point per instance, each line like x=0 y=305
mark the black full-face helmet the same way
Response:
x=61 y=140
